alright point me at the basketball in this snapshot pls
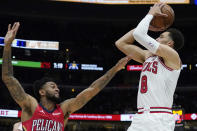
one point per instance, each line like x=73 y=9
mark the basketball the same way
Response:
x=161 y=23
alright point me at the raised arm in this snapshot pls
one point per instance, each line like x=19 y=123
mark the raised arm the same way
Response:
x=170 y=56
x=125 y=44
x=74 y=104
x=14 y=87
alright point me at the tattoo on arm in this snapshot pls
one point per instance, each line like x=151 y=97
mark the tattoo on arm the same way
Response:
x=94 y=89
x=81 y=99
x=7 y=68
x=104 y=80
x=14 y=87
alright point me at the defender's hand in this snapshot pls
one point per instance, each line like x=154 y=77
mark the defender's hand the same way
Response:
x=11 y=33
x=122 y=62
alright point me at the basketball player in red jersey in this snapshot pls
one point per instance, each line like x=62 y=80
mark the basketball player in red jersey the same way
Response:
x=47 y=115
x=159 y=76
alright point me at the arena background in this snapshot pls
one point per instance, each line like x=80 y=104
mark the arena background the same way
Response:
x=86 y=33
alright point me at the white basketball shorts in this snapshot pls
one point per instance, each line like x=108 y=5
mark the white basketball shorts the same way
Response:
x=152 y=122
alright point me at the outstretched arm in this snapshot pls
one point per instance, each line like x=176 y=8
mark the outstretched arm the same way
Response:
x=74 y=104
x=14 y=87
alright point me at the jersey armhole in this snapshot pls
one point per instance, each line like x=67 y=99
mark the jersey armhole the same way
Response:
x=162 y=62
x=32 y=114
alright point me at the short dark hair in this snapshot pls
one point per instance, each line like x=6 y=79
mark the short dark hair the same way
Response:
x=38 y=84
x=177 y=37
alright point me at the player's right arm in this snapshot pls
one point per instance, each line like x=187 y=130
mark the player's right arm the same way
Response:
x=74 y=104
x=14 y=87
x=170 y=56
x=125 y=44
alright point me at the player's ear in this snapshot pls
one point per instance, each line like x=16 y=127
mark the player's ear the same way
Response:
x=171 y=43
x=42 y=92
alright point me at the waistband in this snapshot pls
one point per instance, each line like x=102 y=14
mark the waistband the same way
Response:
x=155 y=110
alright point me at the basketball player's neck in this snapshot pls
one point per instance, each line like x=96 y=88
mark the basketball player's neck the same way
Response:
x=49 y=105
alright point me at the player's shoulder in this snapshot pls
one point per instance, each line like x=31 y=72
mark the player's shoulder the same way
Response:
x=31 y=104
x=32 y=100
x=65 y=105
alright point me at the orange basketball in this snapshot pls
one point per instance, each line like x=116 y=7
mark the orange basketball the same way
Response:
x=161 y=23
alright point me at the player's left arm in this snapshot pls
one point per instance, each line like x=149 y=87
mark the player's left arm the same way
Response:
x=74 y=104
x=170 y=56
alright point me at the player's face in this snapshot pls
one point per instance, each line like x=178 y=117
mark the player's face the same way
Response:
x=52 y=91
x=164 y=38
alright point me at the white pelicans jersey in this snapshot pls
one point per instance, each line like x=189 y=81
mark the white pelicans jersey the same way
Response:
x=157 y=84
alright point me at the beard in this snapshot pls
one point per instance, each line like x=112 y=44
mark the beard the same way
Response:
x=53 y=98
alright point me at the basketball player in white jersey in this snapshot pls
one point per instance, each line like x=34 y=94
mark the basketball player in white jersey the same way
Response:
x=161 y=69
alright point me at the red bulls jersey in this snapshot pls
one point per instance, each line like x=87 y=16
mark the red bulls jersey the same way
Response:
x=157 y=84
x=43 y=120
